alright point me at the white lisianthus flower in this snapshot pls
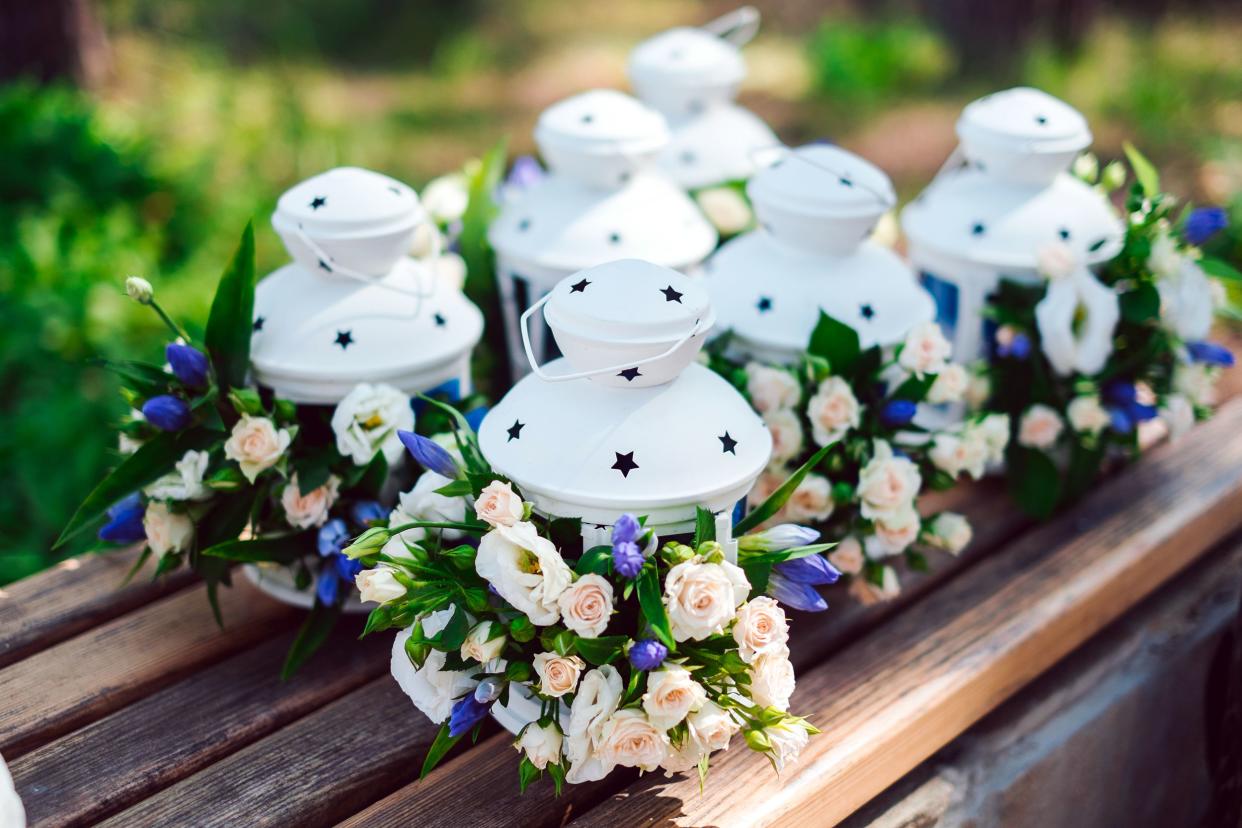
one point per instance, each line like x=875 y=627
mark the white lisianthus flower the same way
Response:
x=867 y=593
x=887 y=484
x=848 y=556
x=833 y=411
x=925 y=350
x=1086 y=167
x=499 y=505
x=1179 y=414
x=1186 y=301
x=811 y=501
x=631 y=741
x=185 y=482
x=893 y=534
x=950 y=385
x=128 y=445
x=586 y=605
x=167 y=531
x=525 y=569
x=302 y=511
x=950 y=532
x=378 y=585
x=1040 y=427
x=1087 y=415
x=445 y=198
x=1076 y=319
x=558 y=674
x=787 y=438
x=726 y=209
x=599 y=694
x=787 y=739
x=421 y=504
x=541 y=744
x=1056 y=261
x=256 y=445
x=702 y=598
x=433 y=689
x=760 y=629
x=772 y=680
x=1164 y=260
x=771 y=389
x=367 y=421
x=483 y=643
x=671 y=696
x=1196 y=382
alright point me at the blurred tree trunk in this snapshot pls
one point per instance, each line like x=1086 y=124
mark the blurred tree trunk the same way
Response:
x=49 y=40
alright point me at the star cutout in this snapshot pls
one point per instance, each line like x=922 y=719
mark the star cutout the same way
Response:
x=395 y=191
x=317 y=202
x=867 y=312
x=978 y=229
x=1064 y=233
x=325 y=266
x=440 y=320
x=764 y=305
x=671 y=295
x=625 y=463
x=630 y=374
x=515 y=431
x=580 y=287
x=728 y=444
x=344 y=339
x=258 y=323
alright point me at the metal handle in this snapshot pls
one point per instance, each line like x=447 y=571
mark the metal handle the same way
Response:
x=737 y=27
x=594 y=372
x=420 y=294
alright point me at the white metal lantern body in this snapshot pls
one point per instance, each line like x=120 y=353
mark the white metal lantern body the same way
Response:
x=627 y=421
x=691 y=75
x=816 y=207
x=1001 y=199
x=602 y=200
x=352 y=307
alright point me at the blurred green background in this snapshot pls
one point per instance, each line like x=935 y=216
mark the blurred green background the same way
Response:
x=138 y=136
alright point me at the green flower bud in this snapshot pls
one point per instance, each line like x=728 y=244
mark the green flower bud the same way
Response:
x=711 y=551
x=675 y=553
x=1087 y=167
x=139 y=289
x=1114 y=176
x=368 y=543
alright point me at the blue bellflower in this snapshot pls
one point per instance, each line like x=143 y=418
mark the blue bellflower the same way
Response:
x=124 y=521
x=429 y=454
x=793 y=594
x=1018 y=348
x=647 y=654
x=336 y=567
x=1210 y=353
x=1203 y=223
x=1124 y=410
x=166 y=412
x=467 y=713
x=897 y=413
x=188 y=364
x=366 y=512
x=627 y=557
x=814 y=570
x=526 y=172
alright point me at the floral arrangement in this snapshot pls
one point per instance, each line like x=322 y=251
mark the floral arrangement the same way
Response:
x=640 y=652
x=860 y=409
x=1093 y=366
x=216 y=470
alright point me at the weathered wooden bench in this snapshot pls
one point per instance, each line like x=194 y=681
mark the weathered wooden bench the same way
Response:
x=128 y=706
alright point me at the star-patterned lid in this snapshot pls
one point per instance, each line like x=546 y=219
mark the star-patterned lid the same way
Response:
x=596 y=124
x=686 y=63
x=586 y=450
x=1023 y=120
x=825 y=181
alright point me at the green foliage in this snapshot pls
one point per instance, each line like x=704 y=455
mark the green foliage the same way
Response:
x=232 y=311
x=874 y=61
x=311 y=635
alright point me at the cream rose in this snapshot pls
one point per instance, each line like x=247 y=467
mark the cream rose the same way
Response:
x=599 y=693
x=710 y=728
x=303 y=511
x=167 y=531
x=995 y=431
x=725 y=208
x=951 y=532
x=867 y=593
x=185 y=482
x=833 y=411
x=887 y=484
x=925 y=350
x=1040 y=427
x=768 y=482
x=702 y=598
x=525 y=569
x=760 y=629
x=256 y=445
x=433 y=689
x=499 y=505
x=978 y=390
x=630 y=740
x=541 y=744
x=771 y=389
x=772 y=680
x=482 y=643
x=1087 y=415
x=787 y=739
x=962 y=453
x=786 y=431
x=893 y=534
x=671 y=696
x=848 y=556
x=378 y=585
x=950 y=385
x=586 y=605
x=811 y=501
x=558 y=674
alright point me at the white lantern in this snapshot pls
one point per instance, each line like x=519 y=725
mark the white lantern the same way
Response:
x=1003 y=196
x=601 y=201
x=352 y=307
x=627 y=421
x=691 y=75
x=816 y=206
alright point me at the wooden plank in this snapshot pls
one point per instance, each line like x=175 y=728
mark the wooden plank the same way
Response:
x=145 y=747
x=894 y=698
x=89 y=676
x=73 y=596
x=316 y=771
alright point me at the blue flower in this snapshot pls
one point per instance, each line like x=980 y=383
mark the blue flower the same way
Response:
x=166 y=412
x=627 y=559
x=327 y=586
x=188 y=364
x=1203 y=223
x=1211 y=353
x=124 y=521
x=1019 y=347
x=429 y=454
x=810 y=569
x=898 y=412
x=796 y=595
x=626 y=529
x=366 y=512
x=333 y=537
x=347 y=568
x=336 y=568
x=647 y=654
x=778 y=538
x=467 y=713
x=1124 y=409
x=526 y=172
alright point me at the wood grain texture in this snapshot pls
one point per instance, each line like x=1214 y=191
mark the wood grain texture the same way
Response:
x=89 y=676
x=112 y=763
x=73 y=596
x=898 y=695
x=316 y=771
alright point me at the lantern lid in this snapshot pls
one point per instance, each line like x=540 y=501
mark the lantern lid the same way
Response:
x=825 y=181
x=770 y=295
x=1024 y=120
x=686 y=57
x=317 y=335
x=564 y=224
x=980 y=218
x=347 y=201
x=591 y=451
x=716 y=146
x=601 y=122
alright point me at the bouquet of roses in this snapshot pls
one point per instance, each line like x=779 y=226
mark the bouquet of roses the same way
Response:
x=861 y=409
x=1090 y=365
x=643 y=652
x=216 y=470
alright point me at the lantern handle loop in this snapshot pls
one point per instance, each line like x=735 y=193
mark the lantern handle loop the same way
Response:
x=593 y=372
x=737 y=27
x=425 y=288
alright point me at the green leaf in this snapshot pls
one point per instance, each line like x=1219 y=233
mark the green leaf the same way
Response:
x=527 y=773
x=758 y=573
x=1034 y=482
x=791 y=554
x=601 y=651
x=778 y=498
x=246 y=401
x=229 y=325
x=595 y=561
x=458 y=488
x=285 y=549
x=1220 y=268
x=651 y=601
x=1144 y=171
x=313 y=633
x=441 y=746
x=314 y=468
x=151 y=461
x=453 y=634
x=914 y=389
x=148 y=380
x=836 y=342
x=704 y=526
x=1140 y=304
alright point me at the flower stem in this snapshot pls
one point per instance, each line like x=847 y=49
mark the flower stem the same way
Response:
x=172 y=326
